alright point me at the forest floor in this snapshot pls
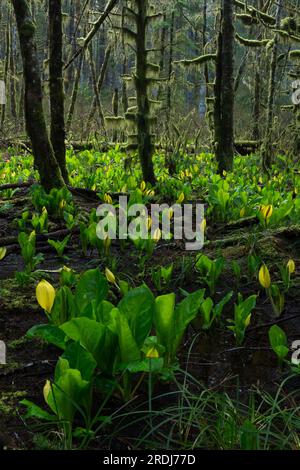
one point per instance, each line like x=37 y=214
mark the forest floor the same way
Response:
x=211 y=357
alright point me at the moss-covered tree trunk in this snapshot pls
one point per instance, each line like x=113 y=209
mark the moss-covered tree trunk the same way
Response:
x=13 y=104
x=145 y=144
x=45 y=160
x=267 y=148
x=6 y=67
x=170 y=67
x=224 y=90
x=257 y=99
x=56 y=85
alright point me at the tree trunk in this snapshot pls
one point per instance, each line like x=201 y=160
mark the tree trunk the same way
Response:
x=257 y=99
x=44 y=157
x=145 y=144
x=224 y=91
x=170 y=67
x=56 y=85
x=6 y=67
x=267 y=151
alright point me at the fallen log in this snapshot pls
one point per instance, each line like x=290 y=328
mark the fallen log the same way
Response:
x=13 y=240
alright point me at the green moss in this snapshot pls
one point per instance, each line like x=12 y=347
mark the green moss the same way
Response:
x=295 y=55
x=246 y=19
x=251 y=42
x=8 y=401
x=28 y=28
x=197 y=61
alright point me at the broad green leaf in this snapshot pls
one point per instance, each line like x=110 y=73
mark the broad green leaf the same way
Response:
x=218 y=309
x=67 y=394
x=89 y=333
x=92 y=287
x=99 y=340
x=129 y=350
x=80 y=359
x=64 y=306
x=277 y=337
x=206 y=309
x=138 y=308
x=49 y=333
x=164 y=320
x=34 y=411
x=146 y=365
x=185 y=312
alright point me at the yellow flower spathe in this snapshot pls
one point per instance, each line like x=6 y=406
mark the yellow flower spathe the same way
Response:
x=157 y=235
x=247 y=321
x=2 y=252
x=203 y=225
x=107 y=243
x=264 y=277
x=107 y=198
x=45 y=294
x=152 y=353
x=181 y=198
x=110 y=276
x=46 y=390
x=290 y=265
x=267 y=212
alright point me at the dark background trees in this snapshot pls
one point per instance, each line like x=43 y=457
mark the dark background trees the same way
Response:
x=239 y=92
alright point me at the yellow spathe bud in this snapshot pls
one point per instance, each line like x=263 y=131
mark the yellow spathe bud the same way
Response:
x=110 y=276
x=152 y=353
x=247 y=321
x=157 y=235
x=264 y=277
x=143 y=186
x=203 y=225
x=46 y=390
x=149 y=223
x=170 y=213
x=267 y=211
x=290 y=265
x=2 y=252
x=45 y=294
x=107 y=198
x=242 y=212
x=181 y=198
x=107 y=243
x=62 y=204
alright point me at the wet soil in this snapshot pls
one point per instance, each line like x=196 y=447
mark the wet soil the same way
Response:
x=212 y=357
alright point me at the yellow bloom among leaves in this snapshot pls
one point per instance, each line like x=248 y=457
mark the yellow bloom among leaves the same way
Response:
x=267 y=212
x=45 y=294
x=107 y=198
x=264 y=277
x=157 y=235
x=110 y=276
x=181 y=198
x=290 y=265
x=152 y=353
x=2 y=252
x=203 y=225
x=46 y=390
